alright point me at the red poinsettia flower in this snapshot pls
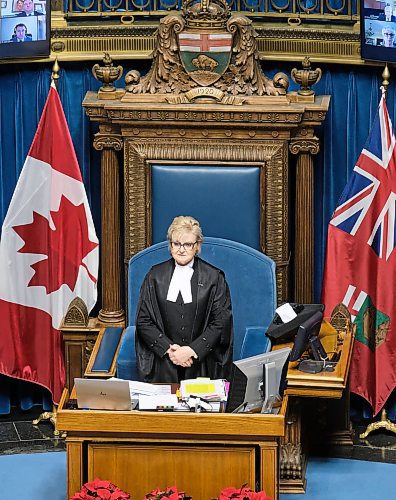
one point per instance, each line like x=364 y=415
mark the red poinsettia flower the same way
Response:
x=243 y=493
x=171 y=493
x=104 y=490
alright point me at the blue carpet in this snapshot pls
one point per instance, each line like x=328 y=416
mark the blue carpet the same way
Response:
x=42 y=476
x=335 y=478
x=39 y=476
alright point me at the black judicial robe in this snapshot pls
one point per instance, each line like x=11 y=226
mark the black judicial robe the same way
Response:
x=210 y=335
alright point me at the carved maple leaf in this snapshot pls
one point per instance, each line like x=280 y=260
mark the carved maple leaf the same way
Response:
x=65 y=246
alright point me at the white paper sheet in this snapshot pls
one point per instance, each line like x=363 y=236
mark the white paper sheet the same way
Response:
x=286 y=312
x=157 y=402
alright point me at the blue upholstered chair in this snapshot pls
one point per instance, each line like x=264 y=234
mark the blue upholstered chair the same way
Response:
x=251 y=277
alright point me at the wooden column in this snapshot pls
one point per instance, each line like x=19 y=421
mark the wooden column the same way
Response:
x=304 y=235
x=109 y=144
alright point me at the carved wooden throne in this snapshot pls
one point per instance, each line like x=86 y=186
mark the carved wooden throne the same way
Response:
x=206 y=103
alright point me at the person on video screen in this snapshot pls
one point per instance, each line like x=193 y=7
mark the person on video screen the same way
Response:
x=28 y=9
x=20 y=34
x=388 y=36
x=387 y=14
x=19 y=6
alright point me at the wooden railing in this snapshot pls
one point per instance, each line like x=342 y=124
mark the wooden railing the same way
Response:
x=336 y=11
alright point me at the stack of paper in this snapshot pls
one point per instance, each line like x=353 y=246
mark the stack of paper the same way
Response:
x=213 y=390
x=136 y=388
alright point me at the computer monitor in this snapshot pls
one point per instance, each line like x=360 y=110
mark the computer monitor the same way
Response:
x=378 y=31
x=25 y=29
x=307 y=330
x=257 y=379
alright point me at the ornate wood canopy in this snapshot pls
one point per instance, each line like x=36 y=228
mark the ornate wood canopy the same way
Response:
x=206 y=99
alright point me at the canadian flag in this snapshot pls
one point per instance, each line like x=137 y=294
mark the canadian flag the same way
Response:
x=48 y=255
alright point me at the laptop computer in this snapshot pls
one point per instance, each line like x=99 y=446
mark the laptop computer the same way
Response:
x=98 y=394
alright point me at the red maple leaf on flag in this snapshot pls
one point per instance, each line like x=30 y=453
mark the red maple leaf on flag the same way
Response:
x=65 y=246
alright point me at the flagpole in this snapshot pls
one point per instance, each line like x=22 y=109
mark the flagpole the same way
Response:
x=384 y=422
x=51 y=415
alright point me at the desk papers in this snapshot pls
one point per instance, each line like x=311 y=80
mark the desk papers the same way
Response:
x=164 y=402
x=205 y=388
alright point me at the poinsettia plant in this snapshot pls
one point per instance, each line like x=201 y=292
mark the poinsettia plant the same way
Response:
x=170 y=492
x=243 y=493
x=100 y=489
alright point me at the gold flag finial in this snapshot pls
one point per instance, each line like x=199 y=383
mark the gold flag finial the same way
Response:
x=386 y=77
x=55 y=72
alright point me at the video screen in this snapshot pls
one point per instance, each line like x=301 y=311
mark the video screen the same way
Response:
x=24 y=28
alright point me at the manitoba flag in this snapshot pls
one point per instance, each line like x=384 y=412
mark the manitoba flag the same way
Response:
x=360 y=267
x=48 y=255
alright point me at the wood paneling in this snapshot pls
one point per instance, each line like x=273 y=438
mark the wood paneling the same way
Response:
x=199 y=471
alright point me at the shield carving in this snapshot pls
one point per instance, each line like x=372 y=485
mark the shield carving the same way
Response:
x=205 y=56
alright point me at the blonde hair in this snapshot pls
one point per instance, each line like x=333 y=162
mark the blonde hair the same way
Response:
x=185 y=223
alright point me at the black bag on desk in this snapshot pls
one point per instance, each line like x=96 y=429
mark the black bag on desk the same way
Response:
x=280 y=333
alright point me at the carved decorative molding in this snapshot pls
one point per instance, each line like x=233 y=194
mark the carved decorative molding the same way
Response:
x=341 y=45
x=102 y=141
x=270 y=154
x=310 y=145
x=308 y=34
x=232 y=66
x=105 y=31
x=89 y=345
x=291 y=461
x=286 y=116
x=77 y=314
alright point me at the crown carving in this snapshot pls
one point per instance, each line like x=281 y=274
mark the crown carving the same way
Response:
x=206 y=13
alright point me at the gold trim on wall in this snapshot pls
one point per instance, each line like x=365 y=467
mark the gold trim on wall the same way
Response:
x=274 y=43
x=283 y=40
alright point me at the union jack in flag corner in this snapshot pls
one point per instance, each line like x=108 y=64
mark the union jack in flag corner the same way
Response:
x=360 y=265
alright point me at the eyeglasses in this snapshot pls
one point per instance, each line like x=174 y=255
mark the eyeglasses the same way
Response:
x=186 y=246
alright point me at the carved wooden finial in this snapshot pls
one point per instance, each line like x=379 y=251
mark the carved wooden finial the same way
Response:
x=107 y=74
x=341 y=318
x=77 y=314
x=306 y=77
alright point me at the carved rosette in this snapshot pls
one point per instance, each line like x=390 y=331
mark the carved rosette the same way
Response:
x=310 y=145
x=102 y=142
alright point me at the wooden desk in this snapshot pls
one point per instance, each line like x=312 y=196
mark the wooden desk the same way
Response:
x=330 y=385
x=200 y=453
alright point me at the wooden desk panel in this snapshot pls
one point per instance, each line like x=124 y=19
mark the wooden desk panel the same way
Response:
x=199 y=471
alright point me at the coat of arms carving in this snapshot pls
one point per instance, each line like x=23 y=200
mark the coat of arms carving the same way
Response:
x=206 y=47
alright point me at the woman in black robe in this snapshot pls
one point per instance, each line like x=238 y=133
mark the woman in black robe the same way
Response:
x=184 y=316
